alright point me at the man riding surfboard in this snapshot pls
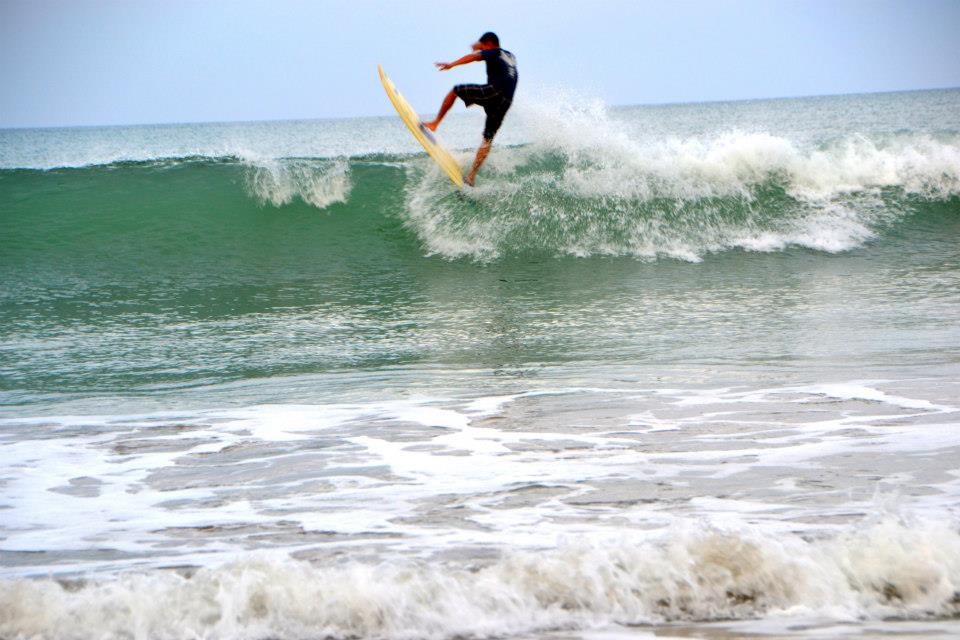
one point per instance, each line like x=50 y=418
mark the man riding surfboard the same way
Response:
x=495 y=97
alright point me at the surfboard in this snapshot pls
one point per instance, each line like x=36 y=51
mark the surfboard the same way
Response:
x=423 y=135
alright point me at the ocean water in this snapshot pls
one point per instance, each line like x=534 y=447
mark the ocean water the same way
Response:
x=668 y=371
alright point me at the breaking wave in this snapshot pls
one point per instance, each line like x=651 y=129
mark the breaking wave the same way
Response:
x=584 y=187
x=884 y=570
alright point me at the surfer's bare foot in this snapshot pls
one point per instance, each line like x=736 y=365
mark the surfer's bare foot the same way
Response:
x=432 y=125
x=469 y=179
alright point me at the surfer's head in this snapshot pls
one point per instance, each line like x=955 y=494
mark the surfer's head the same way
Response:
x=489 y=40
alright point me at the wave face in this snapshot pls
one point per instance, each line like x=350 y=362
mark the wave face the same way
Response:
x=580 y=180
x=681 y=199
x=884 y=570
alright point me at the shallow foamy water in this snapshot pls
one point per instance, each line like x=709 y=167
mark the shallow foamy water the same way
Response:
x=546 y=509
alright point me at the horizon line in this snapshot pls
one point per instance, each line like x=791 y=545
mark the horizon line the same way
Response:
x=388 y=114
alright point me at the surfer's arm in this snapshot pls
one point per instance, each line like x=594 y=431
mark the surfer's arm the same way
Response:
x=467 y=59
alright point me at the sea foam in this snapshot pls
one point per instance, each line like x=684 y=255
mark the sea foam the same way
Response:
x=590 y=183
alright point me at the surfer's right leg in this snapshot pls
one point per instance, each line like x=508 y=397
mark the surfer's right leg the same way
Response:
x=482 y=154
x=495 y=113
x=447 y=103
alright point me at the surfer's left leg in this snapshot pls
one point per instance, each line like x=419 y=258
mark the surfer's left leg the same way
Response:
x=482 y=154
x=447 y=103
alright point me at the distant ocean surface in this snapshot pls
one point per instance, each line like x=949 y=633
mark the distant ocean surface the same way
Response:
x=684 y=370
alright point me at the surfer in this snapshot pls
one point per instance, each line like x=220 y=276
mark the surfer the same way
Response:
x=495 y=96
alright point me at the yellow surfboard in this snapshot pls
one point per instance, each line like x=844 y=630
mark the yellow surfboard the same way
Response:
x=423 y=135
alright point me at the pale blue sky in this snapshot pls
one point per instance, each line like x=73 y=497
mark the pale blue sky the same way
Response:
x=84 y=62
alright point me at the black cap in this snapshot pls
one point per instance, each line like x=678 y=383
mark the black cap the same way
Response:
x=489 y=36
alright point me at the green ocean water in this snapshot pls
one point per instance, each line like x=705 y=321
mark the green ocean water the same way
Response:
x=666 y=365
x=159 y=274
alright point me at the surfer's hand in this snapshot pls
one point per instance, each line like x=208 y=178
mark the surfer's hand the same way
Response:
x=443 y=66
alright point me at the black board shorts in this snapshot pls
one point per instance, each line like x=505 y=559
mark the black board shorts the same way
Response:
x=494 y=103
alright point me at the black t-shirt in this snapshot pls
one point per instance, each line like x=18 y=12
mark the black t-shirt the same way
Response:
x=501 y=70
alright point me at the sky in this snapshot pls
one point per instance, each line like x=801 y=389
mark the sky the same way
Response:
x=102 y=62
